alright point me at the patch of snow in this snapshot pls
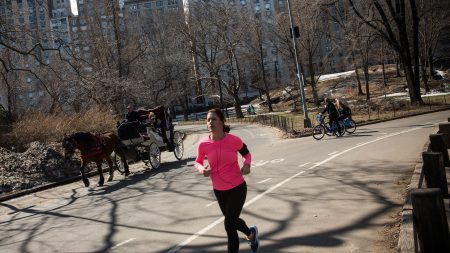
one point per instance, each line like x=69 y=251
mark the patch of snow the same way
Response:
x=431 y=94
x=398 y=94
x=335 y=75
x=441 y=73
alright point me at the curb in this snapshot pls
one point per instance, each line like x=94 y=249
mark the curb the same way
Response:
x=406 y=234
x=43 y=187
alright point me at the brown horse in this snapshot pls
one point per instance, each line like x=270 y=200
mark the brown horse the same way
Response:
x=94 y=148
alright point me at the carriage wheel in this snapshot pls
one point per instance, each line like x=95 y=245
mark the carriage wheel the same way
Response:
x=154 y=155
x=117 y=163
x=178 y=142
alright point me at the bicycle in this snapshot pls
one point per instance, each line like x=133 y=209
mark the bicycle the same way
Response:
x=320 y=130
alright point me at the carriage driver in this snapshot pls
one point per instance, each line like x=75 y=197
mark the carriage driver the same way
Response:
x=131 y=115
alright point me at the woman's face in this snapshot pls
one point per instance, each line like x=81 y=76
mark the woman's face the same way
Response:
x=214 y=123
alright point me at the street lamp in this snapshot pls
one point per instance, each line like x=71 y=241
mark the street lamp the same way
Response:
x=306 y=120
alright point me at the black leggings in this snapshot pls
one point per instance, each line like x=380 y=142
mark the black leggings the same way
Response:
x=231 y=203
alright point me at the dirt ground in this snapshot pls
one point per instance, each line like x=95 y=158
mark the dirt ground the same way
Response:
x=345 y=88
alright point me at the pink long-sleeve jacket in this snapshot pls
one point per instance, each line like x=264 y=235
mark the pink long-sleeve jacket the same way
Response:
x=223 y=160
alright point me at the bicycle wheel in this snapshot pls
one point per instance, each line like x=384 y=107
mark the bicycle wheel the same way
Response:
x=350 y=126
x=154 y=155
x=117 y=162
x=318 y=132
x=178 y=142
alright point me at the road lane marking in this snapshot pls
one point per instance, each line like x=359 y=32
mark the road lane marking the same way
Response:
x=333 y=153
x=259 y=163
x=122 y=243
x=210 y=204
x=279 y=160
x=259 y=196
x=303 y=165
x=252 y=135
x=265 y=180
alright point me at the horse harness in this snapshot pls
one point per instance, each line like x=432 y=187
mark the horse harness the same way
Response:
x=97 y=149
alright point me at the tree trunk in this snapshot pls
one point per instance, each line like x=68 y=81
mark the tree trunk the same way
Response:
x=312 y=77
x=239 y=113
x=263 y=71
x=397 y=67
x=366 y=77
x=237 y=106
x=430 y=62
x=415 y=52
x=423 y=68
x=360 y=92
x=409 y=67
x=414 y=93
x=186 y=108
x=382 y=65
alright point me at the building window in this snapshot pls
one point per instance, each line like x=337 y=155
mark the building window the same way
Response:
x=172 y=2
x=148 y=5
x=257 y=8
x=159 y=3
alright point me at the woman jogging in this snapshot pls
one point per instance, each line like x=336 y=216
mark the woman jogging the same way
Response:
x=229 y=186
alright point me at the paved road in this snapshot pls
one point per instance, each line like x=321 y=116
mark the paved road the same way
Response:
x=332 y=195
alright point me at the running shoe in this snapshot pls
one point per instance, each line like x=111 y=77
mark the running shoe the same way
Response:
x=254 y=242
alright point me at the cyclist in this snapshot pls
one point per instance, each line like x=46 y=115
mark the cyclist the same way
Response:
x=333 y=115
x=343 y=109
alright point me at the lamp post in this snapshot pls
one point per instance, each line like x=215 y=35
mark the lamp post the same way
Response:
x=306 y=120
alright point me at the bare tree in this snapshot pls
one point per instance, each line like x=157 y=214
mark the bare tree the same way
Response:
x=205 y=46
x=27 y=55
x=257 y=44
x=313 y=33
x=232 y=29
x=391 y=19
x=435 y=18
x=282 y=42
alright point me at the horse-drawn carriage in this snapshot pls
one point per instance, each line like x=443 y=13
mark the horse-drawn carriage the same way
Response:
x=145 y=139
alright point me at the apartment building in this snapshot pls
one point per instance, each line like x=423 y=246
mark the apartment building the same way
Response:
x=25 y=23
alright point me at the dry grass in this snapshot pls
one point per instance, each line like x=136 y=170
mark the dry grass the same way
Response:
x=37 y=126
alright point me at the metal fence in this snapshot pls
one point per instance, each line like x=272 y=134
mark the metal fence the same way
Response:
x=284 y=123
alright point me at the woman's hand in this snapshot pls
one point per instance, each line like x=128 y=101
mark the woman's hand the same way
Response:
x=206 y=171
x=245 y=169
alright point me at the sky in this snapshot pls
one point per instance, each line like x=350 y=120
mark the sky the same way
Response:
x=73 y=6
